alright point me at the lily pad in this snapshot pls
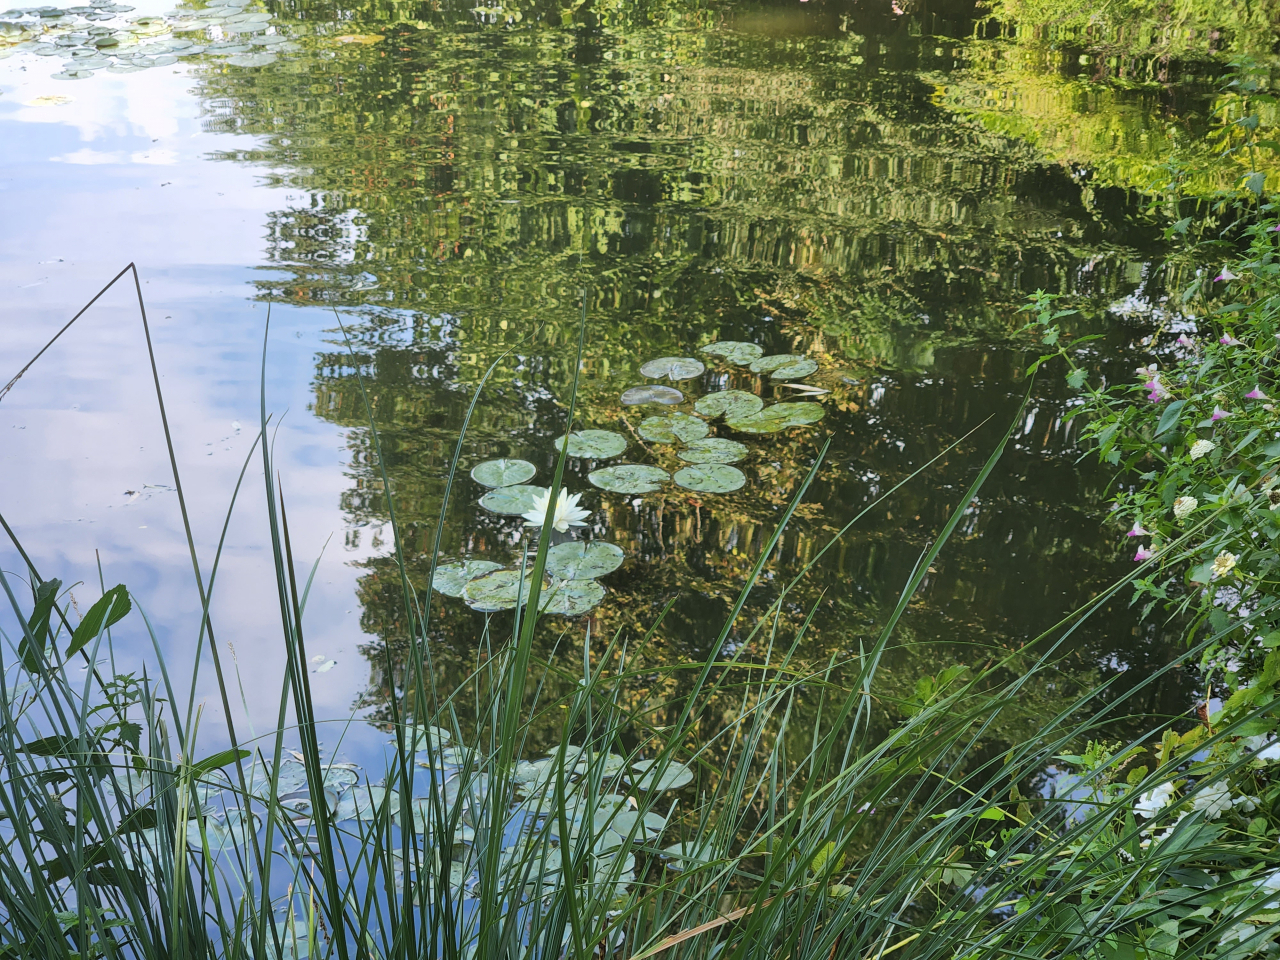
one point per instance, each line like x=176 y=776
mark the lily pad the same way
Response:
x=673 y=368
x=733 y=404
x=450 y=578
x=503 y=472
x=672 y=428
x=583 y=561
x=673 y=777
x=629 y=478
x=794 y=371
x=735 y=351
x=779 y=416
x=648 y=826
x=364 y=802
x=773 y=362
x=247 y=59
x=688 y=853
x=497 y=591
x=634 y=396
x=710 y=478
x=572 y=598
x=432 y=738
x=713 y=450
x=513 y=501
x=593 y=444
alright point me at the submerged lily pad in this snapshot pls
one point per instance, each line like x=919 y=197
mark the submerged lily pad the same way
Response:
x=512 y=501
x=503 y=472
x=593 y=444
x=629 y=478
x=710 y=478
x=713 y=450
x=673 y=427
x=780 y=416
x=634 y=396
x=773 y=362
x=583 y=561
x=794 y=371
x=673 y=777
x=673 y=368
x=735 y=351
x=450 y=578
x=733 y=404
x=572 y=598
x=497 y=591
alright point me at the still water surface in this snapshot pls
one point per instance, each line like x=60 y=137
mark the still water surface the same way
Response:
x=448 y=183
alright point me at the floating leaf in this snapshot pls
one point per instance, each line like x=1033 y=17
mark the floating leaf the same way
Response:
x=503 y=472
x=450 y=578
x=773 y=362
x=675 y=776
x=431 y=738
x=713 y=450
x=673 y=427
x=794 y=371
x=780 y=416
x=673 y=368
x=688 y=853
x=634 y=396
x=364 y=802
x=593 y=444
x=733 y=404
x=647 y=827
x=629 y=478
x=583 y=561
x=735 y=351
x=710 y=478
x=512 y=501
x=497 y=591
x=572 y=598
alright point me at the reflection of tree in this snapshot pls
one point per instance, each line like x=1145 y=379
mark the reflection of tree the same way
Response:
x=468 y=175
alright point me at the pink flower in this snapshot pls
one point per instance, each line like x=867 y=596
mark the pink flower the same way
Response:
x=1158 y=392
x=1256 y=394
x=1137 y=531
x=1226 y=274
x=1186 y=341
x=1219 y=414
x=1230 y=341
x=1144 y=553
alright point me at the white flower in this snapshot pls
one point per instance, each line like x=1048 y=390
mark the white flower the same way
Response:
x=1149 y=804
x=1223 y=564
x=568 y=513
x=1202 y=447
x=1268 y=751
x=1183 y=506
x=1214 y=800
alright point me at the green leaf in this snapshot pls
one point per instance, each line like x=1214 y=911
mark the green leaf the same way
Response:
x=503 y=472
x=513 y=501
x=823 y=856
x=112 y=607
x=1255 y=183
x=713 y=450
x=673 y=368
x=452 y=578
x=991 y=813
x=38 y=625
x=1076 y=378
x=55 y=746
x=733 y=404
x=672 y=428
x=497 y=591
x=572 y=598
x=629 y=478
x=583 y=561
x=593 y=444
x=710 y=478
x=735 y=351
x=221 y=759
x=633 y=396
x=1169 y=419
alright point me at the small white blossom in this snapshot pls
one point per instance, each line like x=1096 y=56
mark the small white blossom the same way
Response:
x=1202 y=448
x=1183 y=506
x=1151 y=803
x=1214 y=800
x=568 y=513
x=1223 y=564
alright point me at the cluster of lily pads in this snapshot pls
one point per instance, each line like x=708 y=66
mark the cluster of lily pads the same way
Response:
x=99 y=36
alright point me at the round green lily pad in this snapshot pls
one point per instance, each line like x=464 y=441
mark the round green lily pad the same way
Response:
x=583 y=561
x=572 y=598
x=773 y=362
x=634 y=396
x=713 y=450
x=451 y=578
x=593 y=444
x=779 y=416
x=497 y=591
x=629 y=478
x=733 y=404
x=710 y=478
x=673 y=777
x=794 y=371
x=503 y=472
x=688 y=853
x=673 y=427
x=735 y=351
x=512 y=501
x=647 y=827
x=673 y=368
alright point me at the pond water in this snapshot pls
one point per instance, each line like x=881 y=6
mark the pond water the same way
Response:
x=422 y=190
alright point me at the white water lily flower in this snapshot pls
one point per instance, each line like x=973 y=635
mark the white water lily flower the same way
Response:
x=1183 y=506
x=1149 y=804
x=1201 y=448
x=1223 y=564
x=568 y=513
